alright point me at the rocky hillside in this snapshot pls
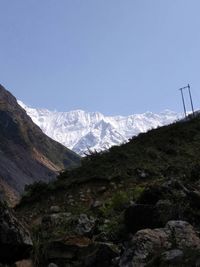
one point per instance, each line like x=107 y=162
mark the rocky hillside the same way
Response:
x=80 y=130
x=26 y=153
x=134 y=205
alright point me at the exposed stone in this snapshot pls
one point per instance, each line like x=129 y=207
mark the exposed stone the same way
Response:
x=85 y=224
x=83 y=251
x=174 y=256
x=177 y=242
x=183 y=235
x=15 y=240
x=142 y=173
x=54 y=209
x=97 y=204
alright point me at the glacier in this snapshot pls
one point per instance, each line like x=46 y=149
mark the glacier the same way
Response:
x=83 y=131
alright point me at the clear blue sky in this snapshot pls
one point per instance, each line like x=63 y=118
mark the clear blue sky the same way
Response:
x=112 y=56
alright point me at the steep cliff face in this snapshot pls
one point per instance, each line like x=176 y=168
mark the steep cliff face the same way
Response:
x=26 y=153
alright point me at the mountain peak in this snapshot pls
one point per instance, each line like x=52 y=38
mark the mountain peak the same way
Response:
x=80 y=130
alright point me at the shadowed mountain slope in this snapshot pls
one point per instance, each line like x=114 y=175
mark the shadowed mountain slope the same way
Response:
x=26 y=153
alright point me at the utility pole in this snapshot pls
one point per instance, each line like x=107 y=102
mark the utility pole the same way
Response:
x=181 y=89
x=192 y=106
x=190 y=96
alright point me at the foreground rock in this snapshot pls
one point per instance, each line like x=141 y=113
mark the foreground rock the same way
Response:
x=175 y=245
x=81 y=252
x=15 y=241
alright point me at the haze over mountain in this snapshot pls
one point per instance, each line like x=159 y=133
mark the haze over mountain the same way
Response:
x=82 y=131
x=26 y=153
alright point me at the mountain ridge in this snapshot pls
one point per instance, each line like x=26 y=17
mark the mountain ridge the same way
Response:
x=82 y=131
x=26 y=153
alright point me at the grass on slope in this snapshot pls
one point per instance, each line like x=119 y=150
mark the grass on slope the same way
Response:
x=169 y=151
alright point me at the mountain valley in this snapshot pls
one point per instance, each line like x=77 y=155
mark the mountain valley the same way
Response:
x=135 y=204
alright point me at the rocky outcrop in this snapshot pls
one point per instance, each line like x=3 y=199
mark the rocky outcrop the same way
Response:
x=15 y=240
x=160 y=203
x=85 y=225
x=177 y=243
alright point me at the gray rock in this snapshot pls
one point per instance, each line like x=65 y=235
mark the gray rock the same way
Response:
x=97 y=204
x=54 y=209
x=85 y=224
x=142 y=173
x=183 y=235
x=178 y=241
x=174 y=256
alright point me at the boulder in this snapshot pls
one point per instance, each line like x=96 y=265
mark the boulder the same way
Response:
x=15 y=240
x=177 y=243
x=85 y=224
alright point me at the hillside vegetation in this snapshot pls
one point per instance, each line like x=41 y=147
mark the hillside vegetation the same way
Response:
x=145 y=183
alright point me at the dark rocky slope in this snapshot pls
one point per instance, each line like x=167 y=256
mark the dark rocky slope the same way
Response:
x=26 y=153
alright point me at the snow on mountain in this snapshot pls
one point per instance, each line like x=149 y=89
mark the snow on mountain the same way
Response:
x=82 y=131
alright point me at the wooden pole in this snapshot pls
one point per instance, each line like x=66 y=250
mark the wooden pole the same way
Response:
x=181 y=89
x=192 y=106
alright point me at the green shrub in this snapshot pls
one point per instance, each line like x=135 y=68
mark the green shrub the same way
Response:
x=137 y=191
x=115 y=204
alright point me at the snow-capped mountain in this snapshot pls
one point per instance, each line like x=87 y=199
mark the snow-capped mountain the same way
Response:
x=82 y=131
